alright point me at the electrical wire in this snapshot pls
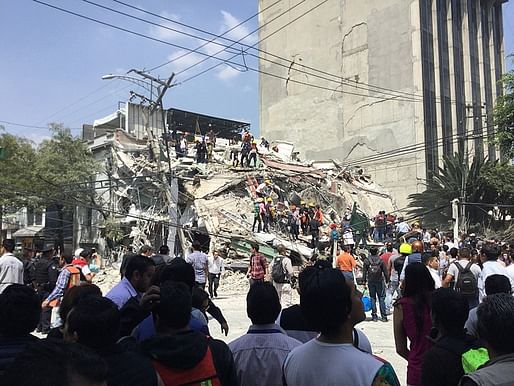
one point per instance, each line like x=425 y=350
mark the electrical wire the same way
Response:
x=32 y=126
x=338 y=79
x=336 y=90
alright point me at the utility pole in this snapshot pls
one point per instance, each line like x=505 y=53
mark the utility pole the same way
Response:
x=455 y=218
x=172 y=191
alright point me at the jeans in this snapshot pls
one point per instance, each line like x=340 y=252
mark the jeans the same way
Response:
x=214 y=282
x=377 y=288
x=394 y=286
x=348 y=274
x=200 y=285
x=256 y=220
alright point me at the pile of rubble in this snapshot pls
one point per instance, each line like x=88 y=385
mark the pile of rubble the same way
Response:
x=177 y=198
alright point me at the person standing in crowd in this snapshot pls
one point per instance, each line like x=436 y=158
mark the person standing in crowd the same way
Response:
x=245 y=153
x=136 y=282
x=46 y=274
x=294 y=323
x=412 y=320
x=494 y=284
x=216 y=268
x=181 y=356
x=374 y=273
x=346 y=263
x=386 y=255
x=442 y=364
x=199 y=261
x=414 y=257
x=402 y=228
x=489 y=255
x=259 y=354
x=281 y=270
x=314 y=229
x=68 y=277
x=258 y=267
x=162 y=257
x=395 y=268
x=94 y=322
x=328 y=300
x=465 y=275
x=81 y=261
x=19 y=317
x=432 y=263
x=11 y=268
x=294 y=222
x=495 y=326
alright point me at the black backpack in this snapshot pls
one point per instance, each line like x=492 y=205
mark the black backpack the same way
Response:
x=466 y=282
x=278 y=273
x=375 y=269
x=41 y=271
x=398 y=264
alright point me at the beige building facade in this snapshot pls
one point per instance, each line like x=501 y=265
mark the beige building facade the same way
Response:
x=387 y=85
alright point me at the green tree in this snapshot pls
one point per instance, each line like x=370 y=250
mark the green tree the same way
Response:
x=62 y=162
x=16 y=171
x=432 y=206
x=504 y=117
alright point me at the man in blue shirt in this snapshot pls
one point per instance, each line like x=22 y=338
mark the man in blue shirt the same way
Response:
x=138 y=276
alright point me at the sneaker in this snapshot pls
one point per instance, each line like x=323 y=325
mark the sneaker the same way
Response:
x=384 y=319
x=374 y=318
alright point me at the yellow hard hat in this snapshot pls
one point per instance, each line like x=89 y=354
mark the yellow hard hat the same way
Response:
x=312 y=205
x=405 y=249
x=260 y=199
x=302 y=202
x=270 y=199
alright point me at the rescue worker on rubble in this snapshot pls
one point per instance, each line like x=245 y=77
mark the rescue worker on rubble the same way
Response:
x=258 y=213
x=210 y=149
x=201 y=151
x=304 y=217
x=268 y=215
x=264 y=189
x=253 y=154
x=245 y=153
x=294 y=222
x=318 y=214
x=234 y=153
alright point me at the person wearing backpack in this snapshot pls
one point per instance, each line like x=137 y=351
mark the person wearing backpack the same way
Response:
x=68 y=277
x=281 y=270
x=374 y=273
x=464 y=273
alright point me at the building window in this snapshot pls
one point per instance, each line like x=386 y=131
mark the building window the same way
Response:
x=429 y=94
x=475 y=77
x=486 y=39
x=458 y=70
x=444 y=76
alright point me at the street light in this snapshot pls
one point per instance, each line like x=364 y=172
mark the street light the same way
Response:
x=148 y=86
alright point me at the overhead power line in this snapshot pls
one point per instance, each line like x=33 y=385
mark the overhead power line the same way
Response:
x=338 y=78
x=335 y=90
x=34 y=127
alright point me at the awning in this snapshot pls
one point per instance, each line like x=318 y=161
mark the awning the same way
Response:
x=30 y=231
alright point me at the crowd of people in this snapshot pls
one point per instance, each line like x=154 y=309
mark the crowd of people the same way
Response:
x=452 y=306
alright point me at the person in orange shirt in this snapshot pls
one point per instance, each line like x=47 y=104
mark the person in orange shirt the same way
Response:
x=346 y=262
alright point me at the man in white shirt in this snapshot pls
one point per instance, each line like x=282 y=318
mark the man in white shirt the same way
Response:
x=464 y=263
x=432 y=264
x=199 y=261
x=281 y=270
x=216 y=268
x=11 y=268
x=490 y=265
x=332 y=305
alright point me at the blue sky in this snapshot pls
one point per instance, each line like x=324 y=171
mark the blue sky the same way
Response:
x=51 y=63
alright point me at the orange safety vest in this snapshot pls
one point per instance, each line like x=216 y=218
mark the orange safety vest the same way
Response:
x=74 y=279
x=203 y=374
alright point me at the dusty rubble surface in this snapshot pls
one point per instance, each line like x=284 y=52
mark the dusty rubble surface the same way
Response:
x=215 y=200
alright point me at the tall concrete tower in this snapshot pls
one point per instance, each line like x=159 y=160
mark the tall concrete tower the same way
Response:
x=389 y=85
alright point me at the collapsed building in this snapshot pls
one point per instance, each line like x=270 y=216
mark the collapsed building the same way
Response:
x=148 y=195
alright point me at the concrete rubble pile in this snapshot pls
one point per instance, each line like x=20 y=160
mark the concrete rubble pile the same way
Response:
x=214 y=201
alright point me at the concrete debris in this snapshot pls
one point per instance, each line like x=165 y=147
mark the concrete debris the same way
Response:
x=211 y=197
